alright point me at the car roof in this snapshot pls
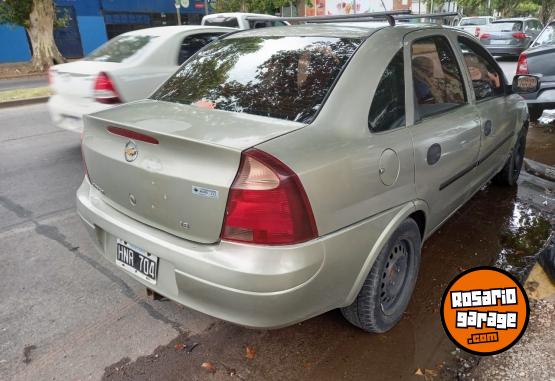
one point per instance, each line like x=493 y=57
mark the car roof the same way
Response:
x=515 y=19
x=161 y=31
x=236 y=14
x=339 y=30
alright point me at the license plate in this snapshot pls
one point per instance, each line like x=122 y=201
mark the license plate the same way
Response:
x=137 y=261
x=500 y=42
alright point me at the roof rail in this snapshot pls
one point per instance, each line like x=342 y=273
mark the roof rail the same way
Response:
x=388 y=15
x=427 y=15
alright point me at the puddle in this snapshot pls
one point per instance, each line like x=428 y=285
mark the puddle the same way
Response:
x=522 y=237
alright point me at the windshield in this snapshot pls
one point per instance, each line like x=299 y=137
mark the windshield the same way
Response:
x=230 y=22
x=119 y=48
x=473 y=21
x=280 y=77
x=505 y=26
x=547 y=36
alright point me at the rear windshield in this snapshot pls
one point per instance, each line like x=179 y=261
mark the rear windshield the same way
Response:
x=230 y=22
x=505 y=26
x=473 y=21
x=281 y=77
x=120 y=48
x=547 y=36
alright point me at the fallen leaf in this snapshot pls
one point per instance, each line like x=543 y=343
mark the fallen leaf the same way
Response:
x=232 y=372
x=209 y=366
x=419 y=372
x=190 y=347
x=430 y=372
x=250 y=352
x=179 y=346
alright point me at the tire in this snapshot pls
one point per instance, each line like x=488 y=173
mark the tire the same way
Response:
x=380 y=305
x=511 y=170
x=535 y=112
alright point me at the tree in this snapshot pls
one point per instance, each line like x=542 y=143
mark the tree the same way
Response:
x=38 y=18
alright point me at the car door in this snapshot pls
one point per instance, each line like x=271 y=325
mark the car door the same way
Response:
x=444 y=125
x=496 y=114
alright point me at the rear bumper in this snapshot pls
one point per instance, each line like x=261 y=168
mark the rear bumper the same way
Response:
x=67 y=112
x=255 y=286
x=504 y=50
x=545 y=96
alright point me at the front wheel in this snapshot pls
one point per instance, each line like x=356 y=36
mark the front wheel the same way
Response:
x=510 y=172
x=387 y=290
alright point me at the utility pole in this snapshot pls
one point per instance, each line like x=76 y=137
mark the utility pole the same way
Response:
x=177 y=10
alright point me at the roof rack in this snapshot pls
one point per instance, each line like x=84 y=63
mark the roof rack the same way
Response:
x=390 y=16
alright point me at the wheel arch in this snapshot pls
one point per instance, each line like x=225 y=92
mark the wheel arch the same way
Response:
x=417 y=210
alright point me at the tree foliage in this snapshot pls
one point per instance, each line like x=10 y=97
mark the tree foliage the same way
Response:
x=15 y=12
x=509 y=8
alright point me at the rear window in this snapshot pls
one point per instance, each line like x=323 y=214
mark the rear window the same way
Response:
x=230 y=22
x=547 y=36
x=280 y=77
x=504 y=26
x=473 y=21
x=120 y=48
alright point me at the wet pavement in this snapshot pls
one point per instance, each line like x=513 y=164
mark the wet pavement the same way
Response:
x=66 y=314
x=328 y=348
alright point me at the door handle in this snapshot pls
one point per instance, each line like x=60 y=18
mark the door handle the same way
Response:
x=487 y=128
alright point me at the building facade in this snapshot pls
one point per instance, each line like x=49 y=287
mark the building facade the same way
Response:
x=89 y=23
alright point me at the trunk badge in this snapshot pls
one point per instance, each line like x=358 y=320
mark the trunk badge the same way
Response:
x=132 y=199
x=131 y=151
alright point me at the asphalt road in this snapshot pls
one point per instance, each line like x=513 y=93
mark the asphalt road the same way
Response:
x=27 y=83
x=65 y=313
x=509 y=67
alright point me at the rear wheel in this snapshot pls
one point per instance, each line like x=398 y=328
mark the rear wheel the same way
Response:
x=388 y=287
x=510 y=172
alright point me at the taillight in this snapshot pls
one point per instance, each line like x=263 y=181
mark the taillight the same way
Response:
x=267 y=204
x=519 y=35
x=104 y=90
x=477 y=31
x=484 y=36
x=522 y=65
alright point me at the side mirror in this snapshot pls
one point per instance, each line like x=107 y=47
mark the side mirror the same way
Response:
x=525 y=83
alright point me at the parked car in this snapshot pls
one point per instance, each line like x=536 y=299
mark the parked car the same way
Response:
x=281 y=173
x=126 y=68
x=240 y=20
x=510 y=37
x=540 y=59
x=474 y=24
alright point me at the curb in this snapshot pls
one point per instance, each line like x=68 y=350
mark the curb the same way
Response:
x=23 y=102
x=544 y=171
x=24 y=76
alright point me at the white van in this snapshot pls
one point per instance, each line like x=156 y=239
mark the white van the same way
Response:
x=239 y=20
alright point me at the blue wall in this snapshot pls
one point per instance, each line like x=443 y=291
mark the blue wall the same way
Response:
x=147 y=6
x=13 y=44
x=93 y=32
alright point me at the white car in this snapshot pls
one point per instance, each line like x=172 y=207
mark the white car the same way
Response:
x=126 y=68
x=240 y=20
x=473 y=24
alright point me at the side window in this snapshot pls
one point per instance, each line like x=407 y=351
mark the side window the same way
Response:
x=487 y=81
x=388 y=106
x=438 y=84
x=193 y=43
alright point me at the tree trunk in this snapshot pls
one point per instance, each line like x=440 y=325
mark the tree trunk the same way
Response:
x=41 y=34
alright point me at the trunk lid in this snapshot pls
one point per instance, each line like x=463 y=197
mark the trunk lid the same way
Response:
x=540 y=61
x=76 y=79
x=179 y=185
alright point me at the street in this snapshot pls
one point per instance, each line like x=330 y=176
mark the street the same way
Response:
x=67 y=314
